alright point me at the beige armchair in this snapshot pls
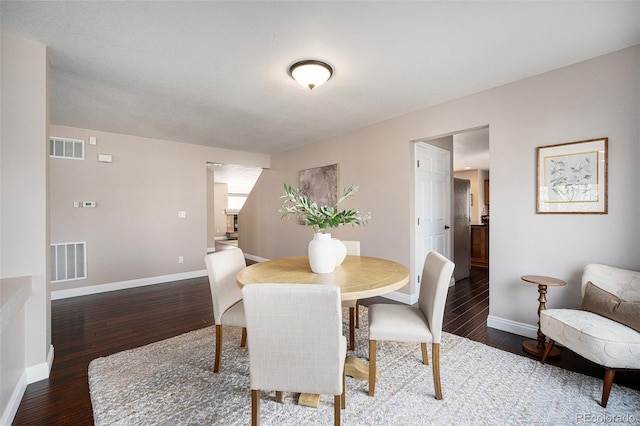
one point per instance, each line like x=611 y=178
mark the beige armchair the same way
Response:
x=422 y=323
x=603 y=330
x=295 y=341
x=228 y=309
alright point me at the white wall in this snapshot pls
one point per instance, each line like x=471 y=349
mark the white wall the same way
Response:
x=221 y=203
x=134 y=236
x=14 y=294
x=23 y=209
x=596 y=98
x=211 y=225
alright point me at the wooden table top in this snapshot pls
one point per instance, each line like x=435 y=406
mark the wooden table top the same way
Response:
x=358 y=277
x=542 y=280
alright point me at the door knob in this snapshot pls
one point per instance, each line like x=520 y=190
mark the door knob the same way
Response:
x=446 y=227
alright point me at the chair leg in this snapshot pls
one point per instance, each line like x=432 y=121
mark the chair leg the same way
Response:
x=357 y=314
x=435 y=349
x=352 y=331
x=343 y=397
x=425 y=354
x=609 y=374
x=216 y=365
x=278 y=396
x=243 y=339
x=336 y=410
x=372 y=367
x=255 y=407
x=547 y=350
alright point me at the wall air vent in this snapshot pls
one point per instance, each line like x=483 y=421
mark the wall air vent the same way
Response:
x=72 y=149
x=68 y=261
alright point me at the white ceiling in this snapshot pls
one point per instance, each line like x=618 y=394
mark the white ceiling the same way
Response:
x=239 y=179
x=215 y=73
x=471 y=150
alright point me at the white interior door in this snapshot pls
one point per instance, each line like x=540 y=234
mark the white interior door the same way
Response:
x=433 y=205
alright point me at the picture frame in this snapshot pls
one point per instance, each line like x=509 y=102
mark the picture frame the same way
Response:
x=572 y=178
x=320 y=184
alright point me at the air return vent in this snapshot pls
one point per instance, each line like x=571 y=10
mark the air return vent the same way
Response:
x=72 y=149
x=68 y=261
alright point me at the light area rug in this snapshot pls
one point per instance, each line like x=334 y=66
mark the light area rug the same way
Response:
x=171 y=382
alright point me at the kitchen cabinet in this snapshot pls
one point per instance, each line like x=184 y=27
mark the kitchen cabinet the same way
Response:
x=486 y=191
x=480 y=246
x=232 y=225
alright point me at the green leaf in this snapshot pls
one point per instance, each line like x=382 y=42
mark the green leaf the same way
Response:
x=320 y=217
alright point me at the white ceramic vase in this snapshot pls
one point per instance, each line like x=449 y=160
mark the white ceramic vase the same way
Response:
x=341 y=251
x=322 y=254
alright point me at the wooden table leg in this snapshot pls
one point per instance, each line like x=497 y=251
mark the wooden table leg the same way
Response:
x=358 y=369
x=353 y=367
x=309 y=400
x=536 y=347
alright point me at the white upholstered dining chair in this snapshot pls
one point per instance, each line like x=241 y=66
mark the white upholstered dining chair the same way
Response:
x=421 y=323
x=606 y=330
x=295 y=341
x=228 y=309
x=353 y=249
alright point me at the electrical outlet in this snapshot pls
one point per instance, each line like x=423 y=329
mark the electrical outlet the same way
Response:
x=180 y=259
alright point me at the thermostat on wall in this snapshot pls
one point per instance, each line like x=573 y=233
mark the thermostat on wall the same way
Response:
x=90 y=204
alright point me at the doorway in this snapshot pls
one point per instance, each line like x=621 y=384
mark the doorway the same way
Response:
x=228 y=186
x=471 y=162
x=469 y=153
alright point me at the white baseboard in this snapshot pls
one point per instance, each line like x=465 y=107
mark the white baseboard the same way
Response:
x=405 y=298
x=38 y=372
x=514 y=327
x=8 y=414
x=29 y=375
x=102 y=288
x=255 y=258
x=122 y=285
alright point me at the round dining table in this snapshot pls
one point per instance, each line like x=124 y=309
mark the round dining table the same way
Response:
x=358 y=277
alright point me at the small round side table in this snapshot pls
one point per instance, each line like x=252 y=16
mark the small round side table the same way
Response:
x=536 y=347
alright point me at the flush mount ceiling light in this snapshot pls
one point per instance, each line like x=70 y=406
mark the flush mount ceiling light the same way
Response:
x=311 y=73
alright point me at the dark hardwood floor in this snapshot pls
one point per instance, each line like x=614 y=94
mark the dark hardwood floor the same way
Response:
x=88 y=327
